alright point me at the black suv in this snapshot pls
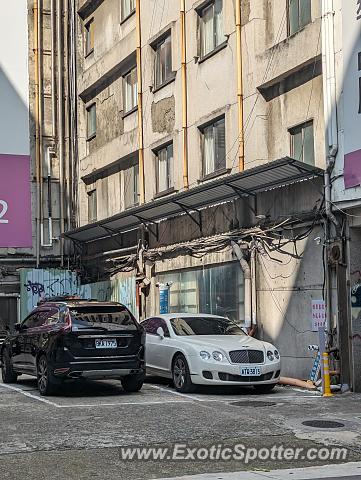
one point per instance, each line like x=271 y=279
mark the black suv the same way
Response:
x=76 y=339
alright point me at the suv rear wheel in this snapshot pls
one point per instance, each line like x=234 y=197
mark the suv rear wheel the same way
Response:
x=133 y=383
x=46 y=383
x=7 y=372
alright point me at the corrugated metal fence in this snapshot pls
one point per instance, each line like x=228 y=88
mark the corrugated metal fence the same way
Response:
x=37 y=283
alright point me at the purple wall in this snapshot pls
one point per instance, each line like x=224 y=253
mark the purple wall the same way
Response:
x=352 y=169
x=15 y=201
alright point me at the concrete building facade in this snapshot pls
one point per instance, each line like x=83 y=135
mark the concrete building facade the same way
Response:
x=160 y=134
x=34 y=146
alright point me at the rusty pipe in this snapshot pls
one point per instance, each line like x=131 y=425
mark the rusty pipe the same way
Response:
x=140 y=103
x=37 y=125
x=184 y=95
x=240 y=85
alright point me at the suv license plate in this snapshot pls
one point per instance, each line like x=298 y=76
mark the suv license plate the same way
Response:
x=250 y=371
x=106 y=343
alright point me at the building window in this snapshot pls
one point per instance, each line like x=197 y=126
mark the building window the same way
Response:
x=92 y=206
x=214 y=147
x=91 y=121
x=203 y=290
x=164 y=168
x=211 y=22
x=299 y=15
x=131 y=186
x=163 y=61
x=128 y=8
x=302 y=143
x=130 y=90
x=89 y=37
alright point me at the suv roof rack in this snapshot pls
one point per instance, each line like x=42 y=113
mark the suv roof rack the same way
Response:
x=59 y=298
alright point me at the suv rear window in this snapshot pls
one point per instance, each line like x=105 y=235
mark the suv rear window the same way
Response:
x=111 y=318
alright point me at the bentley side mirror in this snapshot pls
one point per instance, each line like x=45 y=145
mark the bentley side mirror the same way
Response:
x=160 y=333
x=17 y=327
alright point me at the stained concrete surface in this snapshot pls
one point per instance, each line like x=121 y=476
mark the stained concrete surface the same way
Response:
x=78 y=434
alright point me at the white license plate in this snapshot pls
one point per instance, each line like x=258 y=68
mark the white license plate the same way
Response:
x=106 y=343
x=250 y=371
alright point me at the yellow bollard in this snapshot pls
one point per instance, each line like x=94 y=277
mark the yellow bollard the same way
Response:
x=326 y=376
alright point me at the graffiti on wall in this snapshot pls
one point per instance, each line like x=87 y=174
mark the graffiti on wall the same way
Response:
x=37 y=284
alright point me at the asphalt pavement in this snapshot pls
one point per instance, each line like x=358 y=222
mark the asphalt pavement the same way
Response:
x=82 y=433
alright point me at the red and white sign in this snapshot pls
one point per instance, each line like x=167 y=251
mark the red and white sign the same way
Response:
x=318 y=314
x=15 y=201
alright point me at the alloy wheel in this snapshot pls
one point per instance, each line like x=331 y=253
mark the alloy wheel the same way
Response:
x=179 y=372
x=42 y=374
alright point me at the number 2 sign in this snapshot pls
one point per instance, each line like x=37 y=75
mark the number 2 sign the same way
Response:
x=15 y=202
x=3 y=210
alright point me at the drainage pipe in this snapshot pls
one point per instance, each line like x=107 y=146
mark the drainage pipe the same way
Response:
x=240 y=85
x=253 y=286
x=53 y=68
x=140 y=104
x=330 y=115
x=330 y=99
x=247 y=284
x=37 y=133
x=60 y=68
x=184 y=95
x=49 y=153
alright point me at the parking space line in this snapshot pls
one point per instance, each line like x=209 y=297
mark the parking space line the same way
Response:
x=57 y=405
x=29 y=395
x=190 y=397
x=120 y=404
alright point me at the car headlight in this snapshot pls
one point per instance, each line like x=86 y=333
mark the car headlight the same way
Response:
x=277 y=355
x=218 y=356
x=270 y=356
x=205 y=355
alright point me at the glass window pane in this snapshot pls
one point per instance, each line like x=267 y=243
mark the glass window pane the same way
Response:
x=203 y=290
x=131 y=188
x=308 y=147
x=167 y=59
x=294 y=16
x=130 y=91
x=218 y=23
x=170 y=166
x=305 y=12
x=297 y=149
x=91 y=121
x=220 y=145
x=136 y=184
x=208 y=150
x=207 y=30
x=162 y=170
x=92 y=206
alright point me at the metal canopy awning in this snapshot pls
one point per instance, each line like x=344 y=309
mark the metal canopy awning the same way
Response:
x=265 y=177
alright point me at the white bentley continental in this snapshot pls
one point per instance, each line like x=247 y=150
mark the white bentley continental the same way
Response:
x=196 y=349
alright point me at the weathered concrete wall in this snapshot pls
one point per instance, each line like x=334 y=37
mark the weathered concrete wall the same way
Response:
x=285 y=288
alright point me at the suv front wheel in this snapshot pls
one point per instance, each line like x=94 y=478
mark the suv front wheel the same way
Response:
x=7 y=372
x=46 y=383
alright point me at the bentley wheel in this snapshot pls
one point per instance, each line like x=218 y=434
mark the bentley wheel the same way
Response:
x=181 y=375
